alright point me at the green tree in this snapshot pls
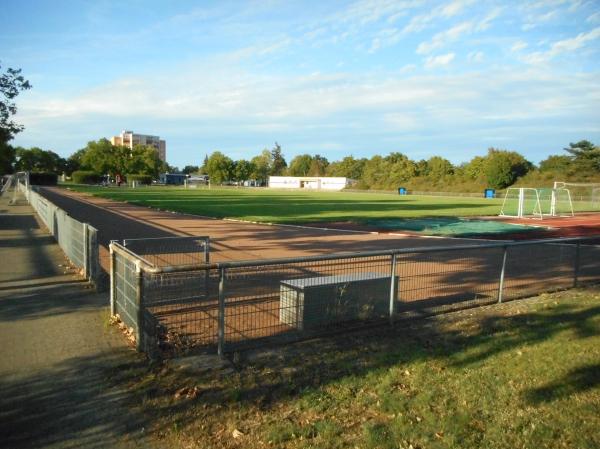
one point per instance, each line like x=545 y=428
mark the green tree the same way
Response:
x=38 y=160
x=73 y=162
x=189 y=169
x=278 y=163
x=143 y=160
x=399 y=168
x=348 y=167
x=503 y=167
x=243 y=170
x=557 y=164
x=11 y=84
x=300 y=165
x=475 y=168
x=262 y=166
x=375 y=173
x=7 y=156
x=318 y=166
x=586 y=156
x=219 y=168
x=104 y=158
x=439 y=168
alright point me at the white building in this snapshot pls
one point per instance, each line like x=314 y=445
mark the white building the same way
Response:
x=129 y=139
x=309 y=182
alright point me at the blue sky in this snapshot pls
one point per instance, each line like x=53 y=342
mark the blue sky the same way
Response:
x=425 y=78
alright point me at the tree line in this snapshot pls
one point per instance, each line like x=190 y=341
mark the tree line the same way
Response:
x=497 y=169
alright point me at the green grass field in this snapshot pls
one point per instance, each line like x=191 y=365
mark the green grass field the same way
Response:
x=525 y=374
x=277 y=206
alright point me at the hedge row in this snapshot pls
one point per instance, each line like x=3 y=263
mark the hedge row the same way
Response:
x=86 y=177
x=43 y=179
x=90 y=177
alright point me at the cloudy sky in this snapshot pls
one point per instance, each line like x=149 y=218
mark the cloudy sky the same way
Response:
x=329 y=77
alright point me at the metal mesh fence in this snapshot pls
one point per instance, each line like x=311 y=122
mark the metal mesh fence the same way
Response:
x=234 y=305
x=171 y=251
x=126 y=291
x=78 y=240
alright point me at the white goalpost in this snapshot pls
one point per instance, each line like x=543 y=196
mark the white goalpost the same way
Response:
x=585 y=197
x=522 y=202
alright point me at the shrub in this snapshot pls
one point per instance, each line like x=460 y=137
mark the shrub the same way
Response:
x=43 y=179
x=141 y=179
x=86 y=177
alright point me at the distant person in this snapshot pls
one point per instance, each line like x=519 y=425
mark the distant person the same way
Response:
x=118 y=180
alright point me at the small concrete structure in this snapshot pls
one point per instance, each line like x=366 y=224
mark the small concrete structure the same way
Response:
x=313 y=302
x=309 y=182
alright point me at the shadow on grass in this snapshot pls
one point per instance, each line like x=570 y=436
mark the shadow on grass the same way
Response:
x=578 y=380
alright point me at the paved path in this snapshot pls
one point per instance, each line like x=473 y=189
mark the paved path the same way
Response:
x=59 y=362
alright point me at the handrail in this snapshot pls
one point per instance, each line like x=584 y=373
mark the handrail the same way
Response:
x=337 y=256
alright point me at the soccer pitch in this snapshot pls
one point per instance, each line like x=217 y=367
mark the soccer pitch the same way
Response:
x=280 y=206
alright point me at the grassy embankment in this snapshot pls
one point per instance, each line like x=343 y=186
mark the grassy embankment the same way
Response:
x=523 y=374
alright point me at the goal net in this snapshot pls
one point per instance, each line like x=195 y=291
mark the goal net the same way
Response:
x=585 y=196
x=522 y=202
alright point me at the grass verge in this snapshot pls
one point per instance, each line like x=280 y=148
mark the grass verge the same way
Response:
x=522 y=374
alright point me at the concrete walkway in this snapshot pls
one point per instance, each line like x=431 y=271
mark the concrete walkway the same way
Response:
x=59 y=360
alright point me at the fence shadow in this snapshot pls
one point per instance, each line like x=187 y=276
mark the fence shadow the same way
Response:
x=78 y=403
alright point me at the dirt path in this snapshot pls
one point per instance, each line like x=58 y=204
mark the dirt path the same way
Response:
x=230 y=240
x=60 y=364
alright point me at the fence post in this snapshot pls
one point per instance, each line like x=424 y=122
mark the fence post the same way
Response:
x=393 y=289
x=576 y=268
x=502 y=271
x=207 y=261
x=86 y=252
x=221 y=329
x=139 y=302
x=113 y=279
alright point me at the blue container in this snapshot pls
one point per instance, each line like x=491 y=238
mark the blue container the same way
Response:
x=402 y=191
x=489 y=193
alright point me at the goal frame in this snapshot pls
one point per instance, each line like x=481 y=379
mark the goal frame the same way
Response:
x=560 y=185
x=537 y=208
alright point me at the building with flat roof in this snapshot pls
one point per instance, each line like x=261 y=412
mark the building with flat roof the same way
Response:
x=129 y=139
x=310 y=182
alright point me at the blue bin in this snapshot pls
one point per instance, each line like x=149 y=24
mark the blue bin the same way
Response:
x=489 y=193
x=402 y=191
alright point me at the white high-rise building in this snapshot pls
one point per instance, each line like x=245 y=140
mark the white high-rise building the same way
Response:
x=129 y=139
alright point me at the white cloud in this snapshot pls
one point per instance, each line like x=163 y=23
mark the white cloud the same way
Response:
x=422 y=21
x=594 y=18
x=455 y=7
x=485 y=23
x=476 y=56
x=440 y=39
x=575 y=43
x=402 y=121
x=438 y=61
x=518 y=46
x=563 y=46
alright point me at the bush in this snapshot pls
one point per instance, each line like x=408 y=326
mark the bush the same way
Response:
x=86 y=177
x=43 y=179
x=140 y=179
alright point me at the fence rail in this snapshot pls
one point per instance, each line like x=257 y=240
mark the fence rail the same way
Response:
x=231 y=305
x=79 y=241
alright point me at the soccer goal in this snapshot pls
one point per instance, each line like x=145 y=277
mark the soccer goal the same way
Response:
x=522 y=202
x=585 y=196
